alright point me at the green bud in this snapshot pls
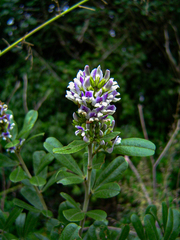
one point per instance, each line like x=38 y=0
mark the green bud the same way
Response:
x=101 y=83
x=92 y=82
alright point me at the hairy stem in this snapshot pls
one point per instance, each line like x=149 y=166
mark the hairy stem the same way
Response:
x=87 y=185
x=30 y=176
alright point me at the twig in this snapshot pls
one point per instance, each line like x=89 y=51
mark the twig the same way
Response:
x=143 y=125
x=162 y=155
x=133 y=168
x=25 y=80
x=43 y=99
x=13 y=189
x=40 y=27
x=16 y=87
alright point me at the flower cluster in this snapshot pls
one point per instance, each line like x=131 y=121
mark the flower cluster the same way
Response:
x=5 y=122
x=94 y=93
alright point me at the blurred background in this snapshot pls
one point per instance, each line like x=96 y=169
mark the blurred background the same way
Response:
x=139 y=42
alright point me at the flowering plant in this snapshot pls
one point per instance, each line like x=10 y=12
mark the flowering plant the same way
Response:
x=94 y=95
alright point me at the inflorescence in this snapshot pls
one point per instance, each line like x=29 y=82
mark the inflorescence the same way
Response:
x=94 y=93
x=5 y=122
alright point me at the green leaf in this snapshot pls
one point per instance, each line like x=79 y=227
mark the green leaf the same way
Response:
x=66 y=160
x=45 y=161
x=112 y=172
x=125 y=233
x=31 y=196
x=63 y=206
x=98 y=160
x=135 y=147
x=138 y=226
x=35 y=136
x=12 y=217
x=12 y=144
x=74 y=215
x=20 y=222
x=7 y=162
x=53 y=179
x=97 y=214
x=2 y=220
x=150 y=227
x=110 y=136
x=17 y=175
x=164 y=214
x=31 y=221
x=73 y=147
x=37 y=181
x=71 y=232
x=47 y=213
x=106 y=190
x=29 y=122
x=25 y=205
x=173 y=225
x=70 y=200
x=9 y=236
x=69 y=178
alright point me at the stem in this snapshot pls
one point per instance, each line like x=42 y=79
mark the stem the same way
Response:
x=40 y=27
x=30 y=176
x=87 y=186
x=162 y=155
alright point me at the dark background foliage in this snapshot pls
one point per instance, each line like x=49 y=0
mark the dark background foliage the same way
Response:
x=124 y=36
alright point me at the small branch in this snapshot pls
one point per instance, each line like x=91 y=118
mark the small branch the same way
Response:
x=13 y=189
x=168 y=52
x=163 y=153
x=16 y=87
x=143 y=125
x=25 y=80
x=43 y=99
x=40 y=27
x=133 y=168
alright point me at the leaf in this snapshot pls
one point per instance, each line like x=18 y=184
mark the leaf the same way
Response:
x=73 y=147
x=63 y=206
x=106 y=190
x=31 y=221
x=98 y=160
x=173 y=225
x=54 y=178
x=31 y=196
x=2 y=220
x=25 y=205
x=20 y=222
x=47 y=213
x=135 y=147
x=74 y=215
x=164 y=214
x=150 y=227
x=6 y=161
x=70 y=178
x=17 y=175
x=66 y=160
x=97 y=214
x=110 y=136
x=9 y=236
x=70 y=200
x=12 y=217
x=45 y=161
x=29 y=122
x=124 y=233
x=37 y=181
x=138 y=226
x=71 y=232
x=112 y=172
x=35 y=136
x=12 y=144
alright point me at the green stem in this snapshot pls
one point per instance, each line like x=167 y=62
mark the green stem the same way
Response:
x=30 y=176
x=41 y=26
x=87 y=185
